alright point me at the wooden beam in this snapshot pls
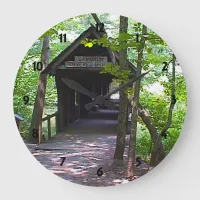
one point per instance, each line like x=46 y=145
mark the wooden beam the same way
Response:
x=64 y=67
x=60 y=116
x=49 y=127
x=57 y=61
x=49 y=116
x=94 y=15
x=57 y=123
x=72 y=105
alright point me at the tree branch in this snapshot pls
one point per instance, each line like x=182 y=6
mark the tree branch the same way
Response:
x=156 y=156
x=173 y=100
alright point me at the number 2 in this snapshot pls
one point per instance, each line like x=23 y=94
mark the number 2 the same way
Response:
x=164 y=69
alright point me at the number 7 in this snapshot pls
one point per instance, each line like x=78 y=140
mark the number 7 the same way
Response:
x=62 y=160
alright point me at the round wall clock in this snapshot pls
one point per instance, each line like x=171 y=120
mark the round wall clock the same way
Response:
x=99 y=99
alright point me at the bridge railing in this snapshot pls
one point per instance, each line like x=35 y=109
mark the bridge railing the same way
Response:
x=49 y=127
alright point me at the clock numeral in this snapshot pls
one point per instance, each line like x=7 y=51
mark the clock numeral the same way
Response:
x=137 y=37
x=26 y=99
x=100 y=172
x=63 y=37
x=100 y=27
x=164 y=134
x=37 y=66
x=63 y=160
x=35 y=133
x=165 y=68
x=138 y=159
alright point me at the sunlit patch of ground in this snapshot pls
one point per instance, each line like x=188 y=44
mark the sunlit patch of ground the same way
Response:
x=88 y=145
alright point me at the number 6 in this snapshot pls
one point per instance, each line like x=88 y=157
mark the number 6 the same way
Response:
x=100 y=172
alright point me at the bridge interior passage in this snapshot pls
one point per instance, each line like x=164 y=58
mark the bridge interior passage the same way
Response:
x=82 y=65
x=71 y=104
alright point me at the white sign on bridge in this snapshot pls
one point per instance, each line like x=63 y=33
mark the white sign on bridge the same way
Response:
x=87 y=61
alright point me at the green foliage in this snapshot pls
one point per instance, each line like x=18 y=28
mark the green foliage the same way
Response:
x=157 y=106
x=124 y=41
x=155 y=53
x=25 y=112
x=27 y=79
x=50 y=32
x=89 y=44
x=174 y=131
x=45 y=128
x=143 y=143
x=122 y=75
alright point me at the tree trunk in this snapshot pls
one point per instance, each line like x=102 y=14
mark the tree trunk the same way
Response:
x=123 y=105
x=173 y=98
x=36 y=122
x=135 y=103
x=158 y=153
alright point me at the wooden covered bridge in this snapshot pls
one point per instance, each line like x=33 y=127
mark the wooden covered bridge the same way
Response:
x=77 y=69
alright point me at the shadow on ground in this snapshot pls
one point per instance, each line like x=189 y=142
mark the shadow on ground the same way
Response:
x=88 y=144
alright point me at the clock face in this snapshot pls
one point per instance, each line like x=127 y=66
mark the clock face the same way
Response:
x=100 y=100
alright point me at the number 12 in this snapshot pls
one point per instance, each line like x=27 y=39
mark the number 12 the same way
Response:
x=100 y=27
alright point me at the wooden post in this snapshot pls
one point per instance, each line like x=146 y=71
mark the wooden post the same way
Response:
x=98 y=88
x=108 y=88
x=93 y=88
x=101 y=85
x=49 y=127
x=56 y=123
x=63 y=103
x=104 y=87
x=60 y=118
x=78 y=111
x=67 y=106
x=78 y=106
x=72 y=105
x=36 y=122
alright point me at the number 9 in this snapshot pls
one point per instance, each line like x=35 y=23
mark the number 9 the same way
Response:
x=26 y=99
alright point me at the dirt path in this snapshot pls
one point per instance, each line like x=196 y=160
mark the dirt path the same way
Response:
x=88 y=145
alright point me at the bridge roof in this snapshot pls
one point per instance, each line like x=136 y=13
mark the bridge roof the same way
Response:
x=114 y=56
